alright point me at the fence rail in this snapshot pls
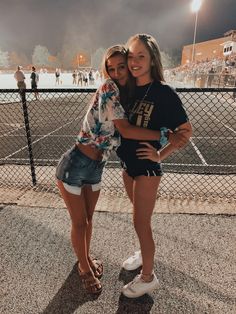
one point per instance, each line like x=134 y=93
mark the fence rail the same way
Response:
x=203 y=80
x=35 y=133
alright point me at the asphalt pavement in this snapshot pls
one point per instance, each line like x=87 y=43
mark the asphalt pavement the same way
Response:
x=195 y=262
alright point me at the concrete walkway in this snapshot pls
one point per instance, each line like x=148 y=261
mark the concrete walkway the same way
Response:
x=195 y=262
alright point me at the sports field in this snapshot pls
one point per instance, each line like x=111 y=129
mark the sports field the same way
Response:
x=46 y=80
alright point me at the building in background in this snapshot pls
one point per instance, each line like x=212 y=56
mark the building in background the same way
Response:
x=211 y=49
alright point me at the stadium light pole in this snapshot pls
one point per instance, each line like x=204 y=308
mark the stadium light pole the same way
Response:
x=195 y=7
x=79 y=57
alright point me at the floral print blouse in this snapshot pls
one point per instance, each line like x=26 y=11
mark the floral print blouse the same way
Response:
x=98 y=128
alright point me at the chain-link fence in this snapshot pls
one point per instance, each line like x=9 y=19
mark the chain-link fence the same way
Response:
x=35 y=133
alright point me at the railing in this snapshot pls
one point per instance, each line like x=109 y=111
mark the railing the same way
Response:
x=203 y=80
x=35 y=133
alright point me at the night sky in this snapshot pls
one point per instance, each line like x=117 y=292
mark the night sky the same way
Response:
x=102 y=23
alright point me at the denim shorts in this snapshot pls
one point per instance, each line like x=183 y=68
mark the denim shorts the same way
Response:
x=75 y=170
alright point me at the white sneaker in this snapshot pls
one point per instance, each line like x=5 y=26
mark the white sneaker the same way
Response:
x=137 y=287
x=133 y=262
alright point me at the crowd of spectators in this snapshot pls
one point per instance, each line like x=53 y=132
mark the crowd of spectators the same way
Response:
x=218 y=72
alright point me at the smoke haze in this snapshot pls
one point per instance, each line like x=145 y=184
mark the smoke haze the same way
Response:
x=90 y=24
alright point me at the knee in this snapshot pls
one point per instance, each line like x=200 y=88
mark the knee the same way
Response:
x=79 y=225
x=141 y=226
x=138 y=226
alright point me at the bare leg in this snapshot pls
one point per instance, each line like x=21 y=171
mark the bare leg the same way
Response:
x=128 y=183
x=142 y=193
x=144 y=198
x=91 y=199
x=80 y=226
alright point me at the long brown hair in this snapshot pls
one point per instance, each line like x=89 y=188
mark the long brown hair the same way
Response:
x=155 y=54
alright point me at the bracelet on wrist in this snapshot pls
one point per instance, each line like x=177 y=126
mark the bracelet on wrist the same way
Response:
x=164 y=136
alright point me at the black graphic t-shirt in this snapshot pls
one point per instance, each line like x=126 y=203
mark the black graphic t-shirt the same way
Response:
x=161 y=107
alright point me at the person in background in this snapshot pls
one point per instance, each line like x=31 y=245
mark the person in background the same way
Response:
x=225 y=74
x=80 y=78
x=85 y=78
x=34 y=82
x=20 y=78
x=74 y=76
x=210 y=79
x=154 y=106
x=91 y=77
x=57 y=76
x=80 y=169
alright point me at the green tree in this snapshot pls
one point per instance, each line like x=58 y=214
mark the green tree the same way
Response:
x=4 y=59
x=96 y=58
x=16 y=59
x=41 y=56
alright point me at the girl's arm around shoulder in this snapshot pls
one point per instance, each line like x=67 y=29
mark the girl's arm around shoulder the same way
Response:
x=108 y=85
x=182 y=129
x=113 y=110
x=180 y=137
x=107 y=102
x=130 y=131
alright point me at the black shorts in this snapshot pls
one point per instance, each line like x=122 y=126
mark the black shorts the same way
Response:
x=137 y=167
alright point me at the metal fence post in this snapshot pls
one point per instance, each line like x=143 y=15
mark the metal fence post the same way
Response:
x=28 y=135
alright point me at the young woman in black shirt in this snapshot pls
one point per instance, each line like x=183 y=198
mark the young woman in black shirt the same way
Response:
x=155 y=106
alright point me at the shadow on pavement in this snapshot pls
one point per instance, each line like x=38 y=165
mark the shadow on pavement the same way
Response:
x=70 y=296
x=126 y=276
x=142 y=305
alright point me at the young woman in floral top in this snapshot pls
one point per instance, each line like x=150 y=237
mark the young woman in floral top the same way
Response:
x=79 y=171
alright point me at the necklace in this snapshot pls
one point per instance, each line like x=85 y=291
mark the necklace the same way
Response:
x=147 y=91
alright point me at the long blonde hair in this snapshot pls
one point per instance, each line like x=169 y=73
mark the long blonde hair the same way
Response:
x=126 y=91
x=155 y=54
x=111 y=52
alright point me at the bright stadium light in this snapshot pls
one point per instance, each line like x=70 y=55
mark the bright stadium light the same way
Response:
x=79 y=60
x=195 y=7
